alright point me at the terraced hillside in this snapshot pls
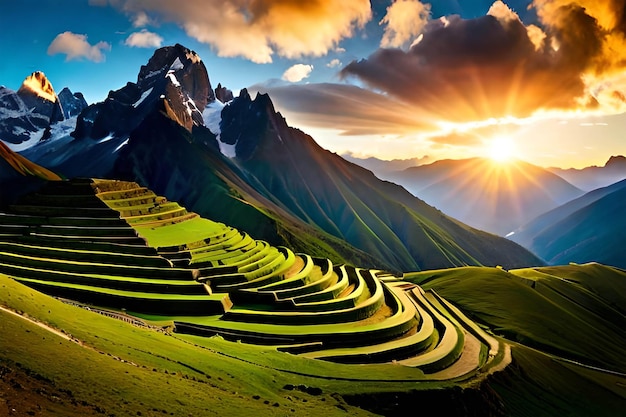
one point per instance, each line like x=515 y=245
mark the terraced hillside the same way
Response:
x=271 y=332
x=114 y=244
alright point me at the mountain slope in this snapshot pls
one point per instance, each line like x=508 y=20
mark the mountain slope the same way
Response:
x=594 y=177
x=490 y=196
x=18 y=175
x=188 y=167
x=587 y=229
x=348 y=201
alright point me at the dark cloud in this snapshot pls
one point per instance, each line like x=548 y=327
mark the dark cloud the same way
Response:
x=466 y=70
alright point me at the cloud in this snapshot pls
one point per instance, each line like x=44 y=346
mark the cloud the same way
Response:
x=334 y=63
x=297 y=72
x=144 y=39
x=141 y=19
x=75 y=46
x=351 y=109
x=259 y=29
x=495 y=66
x=404 y=21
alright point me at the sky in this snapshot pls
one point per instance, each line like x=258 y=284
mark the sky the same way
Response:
x=393 y=79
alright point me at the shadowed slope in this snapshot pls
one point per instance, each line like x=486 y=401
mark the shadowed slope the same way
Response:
x=587 y=229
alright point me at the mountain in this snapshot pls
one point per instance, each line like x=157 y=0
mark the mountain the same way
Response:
x=276 y=182
x=175 y=79
x=71 y=103
x=594 y=177
x=491 y=196
x=348 y=201
x=589 y=228
x=384 y=169
x=26 y=115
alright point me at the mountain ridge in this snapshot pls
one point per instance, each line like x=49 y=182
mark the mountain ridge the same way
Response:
x=594 y=177
x=492 y=196
x=586 y=229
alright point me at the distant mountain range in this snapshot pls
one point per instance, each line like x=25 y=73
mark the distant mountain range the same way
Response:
x=594 y=177
x=589 y=228
x=258 y=174
x=385 y=168
x=490 y=196
x=28 y=114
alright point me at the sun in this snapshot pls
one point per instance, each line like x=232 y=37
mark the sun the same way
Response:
x=501 y=149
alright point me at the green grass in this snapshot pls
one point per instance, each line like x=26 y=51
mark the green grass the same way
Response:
x=180 y=233
x=571 y=311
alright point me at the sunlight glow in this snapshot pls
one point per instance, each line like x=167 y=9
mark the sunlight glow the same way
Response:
x=502 y=149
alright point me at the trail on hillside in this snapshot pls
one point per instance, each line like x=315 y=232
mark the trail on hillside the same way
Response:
x=42 y=325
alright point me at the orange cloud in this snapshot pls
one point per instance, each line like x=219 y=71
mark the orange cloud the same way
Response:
x=403 y=22
x=495 y=66
x=258 y=29
x=75 y=46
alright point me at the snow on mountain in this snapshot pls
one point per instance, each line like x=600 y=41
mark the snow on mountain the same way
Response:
x=26 y=115
x=72 y=103
x=143 y=97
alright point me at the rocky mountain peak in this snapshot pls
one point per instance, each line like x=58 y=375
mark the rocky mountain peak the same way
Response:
x=37 y=83
x=38 y=95
x=223 y=94
x=72 y=103
x=174 y=82
x=251 y=124
x=182 y=67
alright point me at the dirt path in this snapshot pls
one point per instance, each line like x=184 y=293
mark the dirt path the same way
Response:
x=42 y=325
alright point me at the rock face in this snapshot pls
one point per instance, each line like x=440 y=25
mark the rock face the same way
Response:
x=37 y=93
x=223 y=94
x=174 y=81
x=29 y=111
x=71 y=103
x=246 y=122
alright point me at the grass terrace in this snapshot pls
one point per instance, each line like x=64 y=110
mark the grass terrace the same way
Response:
x=117 y=245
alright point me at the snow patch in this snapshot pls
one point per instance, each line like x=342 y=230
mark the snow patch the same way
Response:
x=227 y=150
x=173 y=79
x=153 y=73
x=212 y=116
x=106 y=138
x=17 y=130
x=121 y=145
x=177 y=65
x=143 y=97
x=35 y=137
x=63 y=128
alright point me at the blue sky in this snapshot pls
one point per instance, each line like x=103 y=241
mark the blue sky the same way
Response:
x=350 y=56
x=30 y=26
